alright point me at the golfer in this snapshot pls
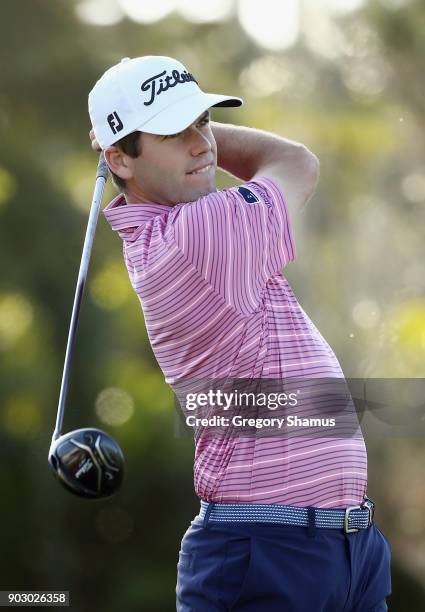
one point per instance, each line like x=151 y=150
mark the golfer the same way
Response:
x=284 y=524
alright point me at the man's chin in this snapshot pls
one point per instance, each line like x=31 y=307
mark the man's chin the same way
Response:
x=201 y=192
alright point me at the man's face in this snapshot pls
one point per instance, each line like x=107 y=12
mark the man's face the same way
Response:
x=164 y=172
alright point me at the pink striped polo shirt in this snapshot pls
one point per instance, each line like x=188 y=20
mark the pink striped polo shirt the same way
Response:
x=208 y=275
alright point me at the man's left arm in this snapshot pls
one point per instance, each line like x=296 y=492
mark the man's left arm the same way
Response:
x=248 y=153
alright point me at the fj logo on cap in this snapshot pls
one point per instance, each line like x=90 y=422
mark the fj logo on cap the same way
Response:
x=115 y=122
x=155 y=85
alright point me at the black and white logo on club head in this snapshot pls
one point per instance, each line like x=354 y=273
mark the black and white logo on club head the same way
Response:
x=115 y=122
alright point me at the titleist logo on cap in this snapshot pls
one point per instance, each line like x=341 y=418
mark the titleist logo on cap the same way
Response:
x=156 y=85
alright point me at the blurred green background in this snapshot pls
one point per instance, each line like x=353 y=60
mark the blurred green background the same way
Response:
x=343 y=77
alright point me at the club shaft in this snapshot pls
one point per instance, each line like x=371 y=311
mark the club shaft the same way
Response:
x=101 y=178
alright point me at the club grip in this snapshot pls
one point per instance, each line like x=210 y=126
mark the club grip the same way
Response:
x=102 y=168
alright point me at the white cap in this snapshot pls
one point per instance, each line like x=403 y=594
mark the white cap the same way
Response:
x=154 y=94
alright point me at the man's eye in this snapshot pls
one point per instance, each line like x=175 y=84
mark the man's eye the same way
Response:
x=204 y=121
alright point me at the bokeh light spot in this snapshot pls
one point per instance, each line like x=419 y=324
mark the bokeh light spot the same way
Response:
x=16 y=315
x=267 y=75
x=21 y=416
x=413 y=187
x=366 y=313
x=358 y=40
x=367 y=79
x=110 y=287
x=271 y=24
x=147 y=11
x=340 y=7
x=320 y=32
x=7 y=186
x=410 y=317
x=99 y=12
x=204 y=12
x=76 y=173
x=114 y=406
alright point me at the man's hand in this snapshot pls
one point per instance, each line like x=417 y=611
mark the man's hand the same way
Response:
x=94 y=144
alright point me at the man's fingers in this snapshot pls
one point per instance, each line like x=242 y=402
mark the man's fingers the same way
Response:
x=94 y=144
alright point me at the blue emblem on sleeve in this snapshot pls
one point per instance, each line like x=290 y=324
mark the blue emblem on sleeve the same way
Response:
x=248 y=195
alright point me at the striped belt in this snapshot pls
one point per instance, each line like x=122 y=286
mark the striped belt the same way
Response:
x=350 y=519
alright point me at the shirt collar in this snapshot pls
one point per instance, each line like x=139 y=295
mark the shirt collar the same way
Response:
x=126 y=218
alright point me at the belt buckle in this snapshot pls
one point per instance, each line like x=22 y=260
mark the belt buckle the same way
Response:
x=348 y=529
x=369 y=504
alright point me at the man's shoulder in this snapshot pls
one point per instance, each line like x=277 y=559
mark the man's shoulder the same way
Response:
x=258 y=190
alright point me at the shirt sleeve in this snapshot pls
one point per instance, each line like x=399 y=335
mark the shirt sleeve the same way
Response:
x=237 y=239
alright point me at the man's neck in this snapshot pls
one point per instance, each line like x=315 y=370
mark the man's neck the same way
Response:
x=132 y=197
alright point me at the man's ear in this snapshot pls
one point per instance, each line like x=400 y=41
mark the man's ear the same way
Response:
x=118 y=162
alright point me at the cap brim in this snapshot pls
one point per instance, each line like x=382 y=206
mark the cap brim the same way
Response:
x=181 y=114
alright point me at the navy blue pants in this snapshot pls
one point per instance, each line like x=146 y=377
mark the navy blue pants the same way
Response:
x=258 y=567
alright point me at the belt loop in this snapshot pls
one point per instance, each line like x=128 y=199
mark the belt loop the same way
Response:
x=311 y=529
x=207 y=515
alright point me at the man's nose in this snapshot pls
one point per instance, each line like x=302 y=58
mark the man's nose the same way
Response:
x=199 y=142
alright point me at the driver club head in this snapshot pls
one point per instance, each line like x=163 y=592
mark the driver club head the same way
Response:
x=87 y=462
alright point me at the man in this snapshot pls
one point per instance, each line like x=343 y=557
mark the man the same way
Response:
x=284 y=524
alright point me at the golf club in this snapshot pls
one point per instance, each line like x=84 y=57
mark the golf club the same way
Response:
x=87 y=462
